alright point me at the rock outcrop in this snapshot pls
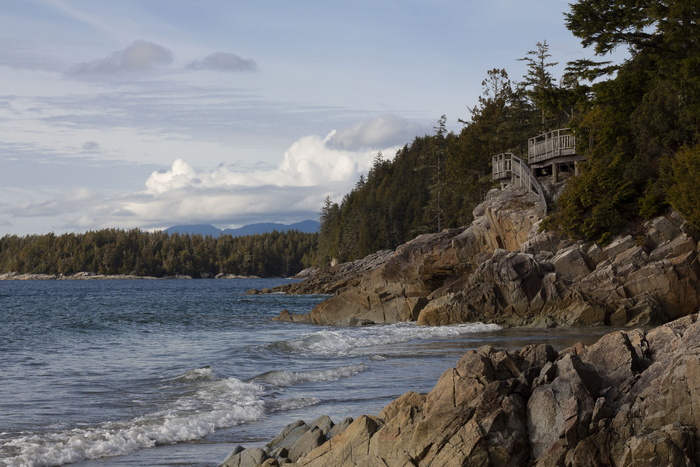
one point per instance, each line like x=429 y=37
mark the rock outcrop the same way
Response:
x=503 y=270
x=630 y=399
x=294 y=441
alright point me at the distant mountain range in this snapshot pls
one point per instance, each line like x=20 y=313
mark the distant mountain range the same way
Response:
x=307 y=226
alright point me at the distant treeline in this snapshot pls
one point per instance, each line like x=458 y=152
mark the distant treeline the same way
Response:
x=115 y=251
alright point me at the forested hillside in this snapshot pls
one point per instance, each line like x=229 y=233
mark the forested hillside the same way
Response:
x=436 y=181
x=642 y=125
x=638 y=123
x=114 y=251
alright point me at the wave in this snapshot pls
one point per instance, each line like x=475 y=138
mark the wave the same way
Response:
x=206 y=373
x=219 y=404
x=343 y=341
x=282 y=378
x=292 y=404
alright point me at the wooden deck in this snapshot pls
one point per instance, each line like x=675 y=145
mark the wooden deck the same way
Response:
x=547 y=154
x=553 y=145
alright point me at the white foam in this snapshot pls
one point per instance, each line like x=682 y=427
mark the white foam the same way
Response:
x=219 y=404
x=205 y=373
x=289 y=378
x=343 y=341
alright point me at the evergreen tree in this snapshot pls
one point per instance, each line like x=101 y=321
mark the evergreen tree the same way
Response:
x=638 y=120
x=540 y=86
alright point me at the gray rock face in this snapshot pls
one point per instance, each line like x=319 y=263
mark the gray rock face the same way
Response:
x=294 y=441
x=502 y=270
x=632 y=399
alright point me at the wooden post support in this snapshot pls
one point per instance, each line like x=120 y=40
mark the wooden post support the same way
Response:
x=555 y=173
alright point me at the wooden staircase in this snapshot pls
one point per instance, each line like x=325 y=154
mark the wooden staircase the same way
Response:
x=506 y=166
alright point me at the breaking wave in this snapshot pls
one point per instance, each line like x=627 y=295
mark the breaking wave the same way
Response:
x=344 y=341
x=218 y=404
x=282 y=378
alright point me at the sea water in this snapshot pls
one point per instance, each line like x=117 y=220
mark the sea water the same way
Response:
x=179 y=372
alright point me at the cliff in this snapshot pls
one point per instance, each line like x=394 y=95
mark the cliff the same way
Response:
x=631 y=399
x=502 y=270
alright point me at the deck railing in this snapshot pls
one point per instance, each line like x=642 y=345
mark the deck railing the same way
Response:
x=507 y=165
x=546 y=146
x=501 y=166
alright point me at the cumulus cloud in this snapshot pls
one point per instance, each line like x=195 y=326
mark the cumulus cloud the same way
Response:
x=312 y=168
x=382 y=131
x=224 y=62
x=139 y=56
x=310 y=161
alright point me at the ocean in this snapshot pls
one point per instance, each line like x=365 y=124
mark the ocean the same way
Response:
x=179 y=372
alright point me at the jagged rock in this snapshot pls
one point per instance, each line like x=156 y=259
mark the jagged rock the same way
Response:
x=294 y=441
x=632 y=398
x=330 y=280
x=285 y=315
x=501 y=269
x=289 y=435
x=310 y=440
x=571 y=263
x=346 y=448
x=245 y=458
x=339 y=428
x=559 y=412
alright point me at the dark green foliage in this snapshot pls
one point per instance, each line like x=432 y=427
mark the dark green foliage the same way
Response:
x=432 y=184
x=636 y=122
x=630 y=127
x=114 y=251
x=385 y=209
x=684 y=193
x=540 y=87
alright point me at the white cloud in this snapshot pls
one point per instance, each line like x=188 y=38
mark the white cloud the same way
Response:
x=224 y=62
x=139 y=56
x=385 y=130
x=309 y=162
x=180 y=175
x=312 y=168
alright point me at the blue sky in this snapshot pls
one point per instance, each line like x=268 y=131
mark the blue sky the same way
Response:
x=151 y=113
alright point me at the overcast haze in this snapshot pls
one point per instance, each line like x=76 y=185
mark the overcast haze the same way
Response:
x=151 y=113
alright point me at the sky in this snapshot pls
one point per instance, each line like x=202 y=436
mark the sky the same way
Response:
x=153 y=113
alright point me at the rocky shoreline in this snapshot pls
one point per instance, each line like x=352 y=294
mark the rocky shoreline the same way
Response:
x=503 y=270
x=14 y=276
x=632 y=399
